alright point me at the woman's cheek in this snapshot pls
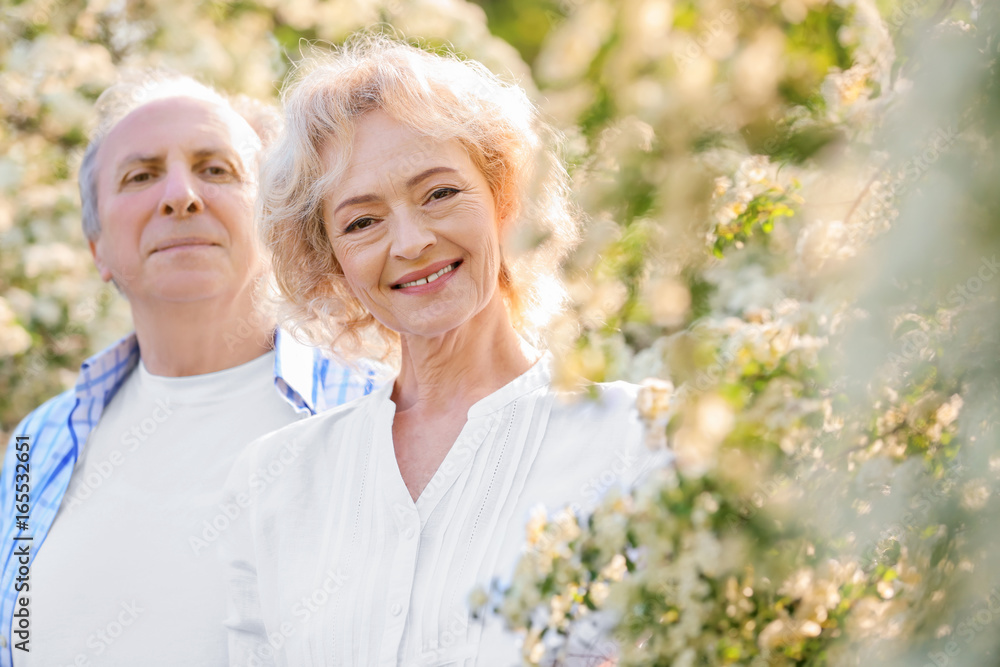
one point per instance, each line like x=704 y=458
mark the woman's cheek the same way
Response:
x=350 y=257
x=363 y=266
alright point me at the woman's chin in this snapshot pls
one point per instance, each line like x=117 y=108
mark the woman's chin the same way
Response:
x=472 y=314
x=433 y=325
x=430 y=330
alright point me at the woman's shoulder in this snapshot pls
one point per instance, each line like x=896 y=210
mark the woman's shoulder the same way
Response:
x=601 y=400
x=599 y=413
x=596 y=437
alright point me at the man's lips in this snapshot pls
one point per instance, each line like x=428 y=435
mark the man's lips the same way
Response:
x=426 y=272
x=187 y=241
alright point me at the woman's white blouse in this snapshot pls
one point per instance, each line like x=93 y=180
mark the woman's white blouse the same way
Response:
x=330 y=562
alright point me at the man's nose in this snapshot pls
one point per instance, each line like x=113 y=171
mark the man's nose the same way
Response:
x=181 y=194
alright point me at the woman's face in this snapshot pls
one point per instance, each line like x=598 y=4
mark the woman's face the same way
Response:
x=413 y=225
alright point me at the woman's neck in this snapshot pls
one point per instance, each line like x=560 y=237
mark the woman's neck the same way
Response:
x=454 y=371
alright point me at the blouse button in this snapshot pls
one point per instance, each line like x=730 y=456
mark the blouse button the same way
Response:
x=396 y=609
x=408 y=533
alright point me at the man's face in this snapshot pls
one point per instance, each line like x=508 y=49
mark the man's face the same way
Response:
x=175 y=192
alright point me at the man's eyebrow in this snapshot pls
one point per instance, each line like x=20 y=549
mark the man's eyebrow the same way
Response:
x=143 y=158
x=365 y=199
x=220 y=151
x=200 y=154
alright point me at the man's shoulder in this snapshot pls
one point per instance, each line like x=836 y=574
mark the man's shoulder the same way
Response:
x=52 y=414
x=322 y=378
x=46 y=428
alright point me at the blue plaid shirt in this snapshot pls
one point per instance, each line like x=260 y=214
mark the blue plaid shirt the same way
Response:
x=310 y=381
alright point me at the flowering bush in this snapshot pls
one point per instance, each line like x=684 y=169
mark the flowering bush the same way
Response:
x=830 y=391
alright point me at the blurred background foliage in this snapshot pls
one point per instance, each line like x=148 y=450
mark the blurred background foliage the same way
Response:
x=790 y=224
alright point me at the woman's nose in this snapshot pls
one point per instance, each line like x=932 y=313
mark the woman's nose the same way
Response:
x=411 y=235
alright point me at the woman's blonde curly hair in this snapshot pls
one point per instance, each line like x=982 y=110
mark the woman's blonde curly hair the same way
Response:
x=440 y=96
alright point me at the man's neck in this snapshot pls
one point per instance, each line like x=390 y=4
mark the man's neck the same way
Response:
x=194 y=338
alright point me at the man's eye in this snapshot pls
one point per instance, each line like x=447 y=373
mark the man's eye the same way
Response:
x=216 y=171
x=360 y=223
x=443 y=193
x=138 y=177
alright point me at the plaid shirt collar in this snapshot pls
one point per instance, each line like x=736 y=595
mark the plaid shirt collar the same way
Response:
x=294 y=375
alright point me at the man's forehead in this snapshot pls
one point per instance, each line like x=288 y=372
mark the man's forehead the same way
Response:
x=191 y=123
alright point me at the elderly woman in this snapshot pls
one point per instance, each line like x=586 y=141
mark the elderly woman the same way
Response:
x=388 y=204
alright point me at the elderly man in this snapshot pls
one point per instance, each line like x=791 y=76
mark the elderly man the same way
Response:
x=111 y=561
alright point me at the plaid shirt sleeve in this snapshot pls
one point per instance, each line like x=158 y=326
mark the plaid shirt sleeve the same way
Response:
x=49 y=467
x=56 y=430
x=313 y=380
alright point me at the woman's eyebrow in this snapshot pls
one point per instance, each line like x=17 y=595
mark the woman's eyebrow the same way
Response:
x=367 y=199
x=360 y=199
x=428 y=172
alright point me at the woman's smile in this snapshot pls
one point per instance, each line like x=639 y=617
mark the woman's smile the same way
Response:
x=431 y=278
x=413 y=216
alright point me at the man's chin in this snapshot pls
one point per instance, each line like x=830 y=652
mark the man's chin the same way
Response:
x=191 y=284
x=192 y=289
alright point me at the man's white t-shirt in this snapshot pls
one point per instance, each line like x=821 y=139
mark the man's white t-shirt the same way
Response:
x=128 y=574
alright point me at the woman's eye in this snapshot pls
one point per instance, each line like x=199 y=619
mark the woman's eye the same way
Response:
x=442 y=193
x=216 y=171
x=360 y=223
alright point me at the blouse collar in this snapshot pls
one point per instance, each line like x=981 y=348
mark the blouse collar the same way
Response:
x=539 y=375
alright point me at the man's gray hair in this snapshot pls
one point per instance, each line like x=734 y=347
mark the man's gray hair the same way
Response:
x=136 y=88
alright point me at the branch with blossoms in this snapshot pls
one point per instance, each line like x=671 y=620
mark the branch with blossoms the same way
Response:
x=753 y=203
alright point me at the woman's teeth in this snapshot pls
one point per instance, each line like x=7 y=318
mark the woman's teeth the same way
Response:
x=431 y=278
